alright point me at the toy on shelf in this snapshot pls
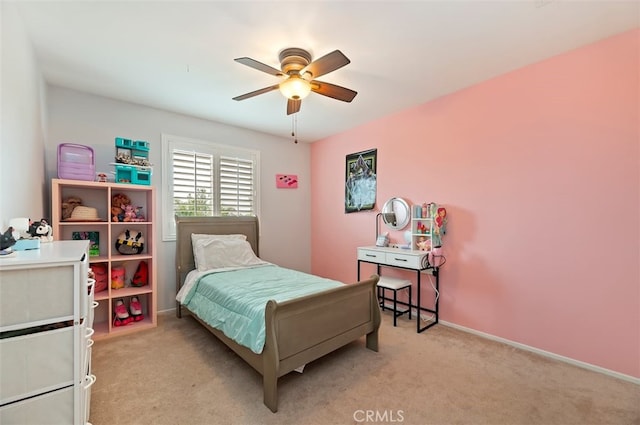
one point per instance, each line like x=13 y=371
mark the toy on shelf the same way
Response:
x=121 y=316
x=132 y=161
x=136 y=309
x=421 y=228
x=68 y=205
x=117 y=202
x=130 y=242
x=117 y=277
x=141 y=277
x=423 y=244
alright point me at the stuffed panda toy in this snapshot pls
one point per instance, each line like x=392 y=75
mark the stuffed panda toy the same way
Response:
x=41 y=229
x=130 y=242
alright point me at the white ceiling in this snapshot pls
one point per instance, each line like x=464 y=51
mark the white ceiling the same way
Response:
x=178 y=55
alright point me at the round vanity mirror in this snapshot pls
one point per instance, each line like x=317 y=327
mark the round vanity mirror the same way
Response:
x=395 y=213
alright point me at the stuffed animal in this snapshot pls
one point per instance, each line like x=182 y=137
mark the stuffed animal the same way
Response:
x=139 y=215
x=41 y=229
x=141 y=278
x=68 y=204
x=6 y=239
x=129 y=212
x=130 y=242
x=132 y=213
x=117 y=203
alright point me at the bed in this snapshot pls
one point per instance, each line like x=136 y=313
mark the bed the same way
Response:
x=297 y=331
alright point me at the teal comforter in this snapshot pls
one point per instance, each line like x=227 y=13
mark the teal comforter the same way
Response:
x=234 y=301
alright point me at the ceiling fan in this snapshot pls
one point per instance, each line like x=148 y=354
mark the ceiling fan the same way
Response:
x=299 y=75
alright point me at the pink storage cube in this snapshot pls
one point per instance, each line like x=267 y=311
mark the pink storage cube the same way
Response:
x=76 y=162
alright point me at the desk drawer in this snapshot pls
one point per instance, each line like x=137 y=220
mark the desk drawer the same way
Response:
x=371 y=255
x=404 y=260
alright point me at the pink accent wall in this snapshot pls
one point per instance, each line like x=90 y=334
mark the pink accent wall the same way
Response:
x=539 y=172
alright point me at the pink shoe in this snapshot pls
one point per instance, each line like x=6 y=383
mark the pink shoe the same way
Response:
x=121 y=315
x=136 y=309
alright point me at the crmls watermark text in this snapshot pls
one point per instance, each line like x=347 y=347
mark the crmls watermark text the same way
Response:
x=378 y=416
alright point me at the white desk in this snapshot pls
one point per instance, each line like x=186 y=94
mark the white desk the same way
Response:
x=409 y=260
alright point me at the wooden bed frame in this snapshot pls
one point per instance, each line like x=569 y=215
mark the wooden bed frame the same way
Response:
x=297 y=331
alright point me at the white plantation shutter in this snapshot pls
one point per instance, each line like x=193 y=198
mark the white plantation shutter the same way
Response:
x=205 y=179
x=193 y=189
x=236 y=186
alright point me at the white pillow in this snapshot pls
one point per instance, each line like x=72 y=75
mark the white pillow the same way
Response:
x=204 y=236
x=221 y=253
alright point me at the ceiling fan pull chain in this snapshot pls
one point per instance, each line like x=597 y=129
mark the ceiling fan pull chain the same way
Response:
x=294 y=128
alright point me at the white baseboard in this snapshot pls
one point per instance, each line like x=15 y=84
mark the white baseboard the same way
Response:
x=544 y=353
x=549 y=354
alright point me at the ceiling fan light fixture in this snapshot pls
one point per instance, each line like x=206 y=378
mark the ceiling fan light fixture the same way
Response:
x=295 y=88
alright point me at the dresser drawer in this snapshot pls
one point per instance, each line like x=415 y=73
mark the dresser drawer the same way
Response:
x=51 y=408
x=36 y=362
x=400 y=259
x=371 y=255
x=36 y=294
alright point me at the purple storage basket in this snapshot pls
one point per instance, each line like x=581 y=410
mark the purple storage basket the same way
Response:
x=76 y=162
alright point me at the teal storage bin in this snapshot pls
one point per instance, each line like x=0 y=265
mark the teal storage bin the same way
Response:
x=132 y=174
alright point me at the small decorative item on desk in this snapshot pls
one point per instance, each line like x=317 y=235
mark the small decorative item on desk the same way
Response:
x=425 y=210
x=422 y=228
x=423 y=244
x=439 y=226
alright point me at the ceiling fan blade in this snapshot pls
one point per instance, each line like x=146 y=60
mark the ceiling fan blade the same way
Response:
x=255 y=93
x=293 y=106
x=331 y=90
x=252 y=63
x=326 y=64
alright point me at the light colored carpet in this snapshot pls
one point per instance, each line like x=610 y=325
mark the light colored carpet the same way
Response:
x=179 y=373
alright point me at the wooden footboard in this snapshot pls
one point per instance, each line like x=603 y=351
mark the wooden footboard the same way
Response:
x=305 y=329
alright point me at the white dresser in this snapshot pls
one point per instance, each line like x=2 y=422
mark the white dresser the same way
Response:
x=46 y=313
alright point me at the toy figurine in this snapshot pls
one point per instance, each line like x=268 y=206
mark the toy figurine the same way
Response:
x=439 y=226
x=423 y=244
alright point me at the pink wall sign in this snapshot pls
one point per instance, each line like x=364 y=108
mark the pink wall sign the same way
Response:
x=286 y=181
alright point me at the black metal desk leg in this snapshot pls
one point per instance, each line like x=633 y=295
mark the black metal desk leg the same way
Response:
x=418 y=304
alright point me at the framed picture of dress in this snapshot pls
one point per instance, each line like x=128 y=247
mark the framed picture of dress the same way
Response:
x=360 y=181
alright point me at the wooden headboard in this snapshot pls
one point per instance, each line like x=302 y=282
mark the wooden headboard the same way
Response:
x=185 y=226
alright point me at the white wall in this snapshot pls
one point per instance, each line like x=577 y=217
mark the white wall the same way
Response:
x=22 y=182
x=95 y=121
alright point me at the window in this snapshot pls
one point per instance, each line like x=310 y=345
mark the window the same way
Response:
x=206 y=179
